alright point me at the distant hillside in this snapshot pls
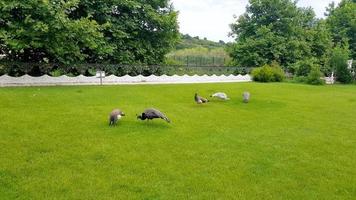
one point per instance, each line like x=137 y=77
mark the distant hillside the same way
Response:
x=189 y=42
x=193 y=51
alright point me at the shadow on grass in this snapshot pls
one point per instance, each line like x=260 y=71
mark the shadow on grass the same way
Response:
x=261 y=105
x=138 y=126
x=215 y=100
x=199 y=106
x=158 y=123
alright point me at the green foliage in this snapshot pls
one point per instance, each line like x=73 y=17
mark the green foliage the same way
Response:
x=321 y=45
x=189 y=42
x=314 y=77
x=169 y=68
x=338 y=62
x=308 y=71
x=2 y=69
x=303 y=67
x=87 y=31
x=199 y=52
x=278 y=31
x=200 y=56
x=42 y=30
x=268 y=73
x=56 y=73
x=172 y=61
x=342 y=23
x=298 y=79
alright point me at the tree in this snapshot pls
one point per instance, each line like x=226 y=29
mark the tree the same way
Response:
x=141 y=31
x=278 y=31
x=338 y=62
x=88 y=30
x=314 y=75
x=40 y=30
x=222 y=42
x=342 y=23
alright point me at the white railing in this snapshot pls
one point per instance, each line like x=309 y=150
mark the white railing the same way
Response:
x=46 y=80
x=330 y=79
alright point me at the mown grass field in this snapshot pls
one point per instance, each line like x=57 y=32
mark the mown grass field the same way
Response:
x=291 y=141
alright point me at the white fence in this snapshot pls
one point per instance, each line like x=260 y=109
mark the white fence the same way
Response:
x=46 y=80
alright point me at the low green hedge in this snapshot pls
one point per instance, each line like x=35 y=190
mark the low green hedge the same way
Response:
x=268 y=73
x=38 y=69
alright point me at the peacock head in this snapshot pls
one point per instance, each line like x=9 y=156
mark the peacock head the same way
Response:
x=141 y=117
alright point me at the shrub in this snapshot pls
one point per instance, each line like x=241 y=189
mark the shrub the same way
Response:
x=16 y=70
x=314 y=77
x=303 y=67
x=338 y=62
x=343 y=74
x=354 y=71
x=241 y=71
x=57 y=73
x=2 y=69
x=299 y=79
x=268 y=74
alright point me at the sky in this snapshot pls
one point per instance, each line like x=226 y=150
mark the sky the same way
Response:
x=211 y=18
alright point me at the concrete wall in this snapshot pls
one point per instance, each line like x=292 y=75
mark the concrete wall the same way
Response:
x=46 y=80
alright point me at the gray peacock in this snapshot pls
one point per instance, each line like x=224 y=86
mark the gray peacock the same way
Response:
x=246 y=97
x=115 y=115
x=152 y=113
x=199 y=100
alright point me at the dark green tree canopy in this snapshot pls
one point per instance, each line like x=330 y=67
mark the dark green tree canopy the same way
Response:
x=132 y=31
x=342 y=23
x=277 y=30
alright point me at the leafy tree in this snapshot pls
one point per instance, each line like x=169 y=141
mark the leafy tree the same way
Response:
x=87 y=30
x=41 y=30
x=303 y=67
x=140 y=30
x=314 y=77
x=279 y=31
x=338 y=62
x=320 y=40
x=342 y=23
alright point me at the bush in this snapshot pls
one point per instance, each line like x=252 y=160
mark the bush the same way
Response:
x=242 y=71
x=343 y=75
x=16 y=70
x=299 y=79
x=303 y=67
x=56 y=73
x=338 y=62
x=268 y=74
x=2 y=70
x=38 y=69
x=314 y=77
x=354 y=71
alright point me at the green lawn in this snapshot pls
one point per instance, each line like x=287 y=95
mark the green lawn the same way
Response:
x=291 y=141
